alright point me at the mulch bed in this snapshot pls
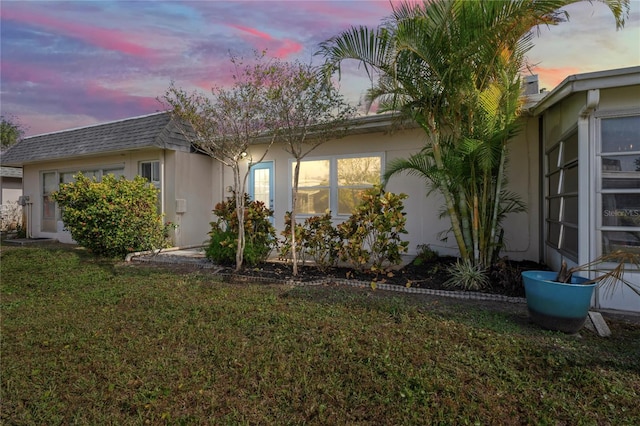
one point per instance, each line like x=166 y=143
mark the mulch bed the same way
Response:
x=504 y=276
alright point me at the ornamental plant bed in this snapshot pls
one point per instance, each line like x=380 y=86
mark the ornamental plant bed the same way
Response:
x=505 y=276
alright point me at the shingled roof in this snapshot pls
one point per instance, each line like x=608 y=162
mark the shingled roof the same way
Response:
x=149 y=131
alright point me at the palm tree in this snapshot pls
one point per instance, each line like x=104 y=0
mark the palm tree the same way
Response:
x=454 y=67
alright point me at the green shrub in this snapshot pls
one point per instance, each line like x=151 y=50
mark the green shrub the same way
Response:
x=372 y=233
x=317 y=239
x=322 y=241
x=260 y=235
x=112 y=217
x=467 y=276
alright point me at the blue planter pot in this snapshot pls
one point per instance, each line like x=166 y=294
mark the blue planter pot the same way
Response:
x=557 y=306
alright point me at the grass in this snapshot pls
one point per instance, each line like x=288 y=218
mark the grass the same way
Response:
x=91 y=341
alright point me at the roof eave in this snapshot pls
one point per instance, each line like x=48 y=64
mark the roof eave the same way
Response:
x=582 y=82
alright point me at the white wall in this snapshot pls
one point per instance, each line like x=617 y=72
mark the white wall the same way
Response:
x=11 y=189
x=192 y=191
x=423 y=222
x=32 y=184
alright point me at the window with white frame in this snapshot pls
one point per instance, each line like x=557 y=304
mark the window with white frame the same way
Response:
x=150 y=170
x=51 y=181
x=335 y=183
x=562 y=195
x=619 y=183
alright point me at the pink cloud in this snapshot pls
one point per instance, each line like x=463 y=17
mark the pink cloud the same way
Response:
x=104 y=38
x=280 y=48
x=551 y=77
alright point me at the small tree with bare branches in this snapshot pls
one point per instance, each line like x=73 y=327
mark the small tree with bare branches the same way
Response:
x=226 y=123
x=306 y=111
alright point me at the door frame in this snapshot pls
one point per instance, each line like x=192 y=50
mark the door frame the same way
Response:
x=268 y=165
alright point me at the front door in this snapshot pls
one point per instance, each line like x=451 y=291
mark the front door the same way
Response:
x=261 y=183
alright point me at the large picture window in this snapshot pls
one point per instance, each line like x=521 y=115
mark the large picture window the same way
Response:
x=335 y=184
x=619 y=154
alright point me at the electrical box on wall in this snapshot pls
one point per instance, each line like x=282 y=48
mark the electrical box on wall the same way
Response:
x=181 y=205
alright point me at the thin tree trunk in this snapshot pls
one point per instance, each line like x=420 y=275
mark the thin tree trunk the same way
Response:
x=294 y=202
x=239 y=194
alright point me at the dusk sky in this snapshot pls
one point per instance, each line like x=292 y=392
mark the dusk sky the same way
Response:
x=76 y=63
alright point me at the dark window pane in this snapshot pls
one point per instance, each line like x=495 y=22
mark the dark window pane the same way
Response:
x=620 y=134
x=570 y=240
x=620 y=240
x=571 y=179
x=621 y=172
x=571 y=210
x=554 y=209
x=553 y=236
x=552 y=159
x=553 y=183
x=571 y=148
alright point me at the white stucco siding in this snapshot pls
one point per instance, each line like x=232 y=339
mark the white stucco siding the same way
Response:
x=619 y=99
x=32 y=183
x=522 y=230
x=423 y=223
x=192 y=192
x=11 y=190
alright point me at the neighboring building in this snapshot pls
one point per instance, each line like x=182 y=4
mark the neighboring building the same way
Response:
x=10 y=184
x=575 y=164
x=10 y=192
x=149 y=146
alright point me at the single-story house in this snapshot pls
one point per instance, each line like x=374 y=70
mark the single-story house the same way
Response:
x=575 y=164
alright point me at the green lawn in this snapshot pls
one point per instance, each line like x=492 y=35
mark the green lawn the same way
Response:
x=91 y=341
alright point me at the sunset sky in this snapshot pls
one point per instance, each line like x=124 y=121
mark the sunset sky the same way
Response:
x=76 y=63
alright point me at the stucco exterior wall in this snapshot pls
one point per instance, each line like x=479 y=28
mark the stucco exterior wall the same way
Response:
x=423 y=223
x=32 y=175
x=192 y=192
x=11 y=189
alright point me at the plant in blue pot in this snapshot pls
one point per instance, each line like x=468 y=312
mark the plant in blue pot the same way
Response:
x=560 y=300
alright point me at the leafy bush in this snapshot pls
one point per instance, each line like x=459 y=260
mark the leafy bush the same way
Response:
x=372 y=233
x=113 y=217
x=317 y=238
x=322 y=241
x=260 y=235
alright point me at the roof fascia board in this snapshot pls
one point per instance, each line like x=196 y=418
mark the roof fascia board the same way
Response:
x=588 y=81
